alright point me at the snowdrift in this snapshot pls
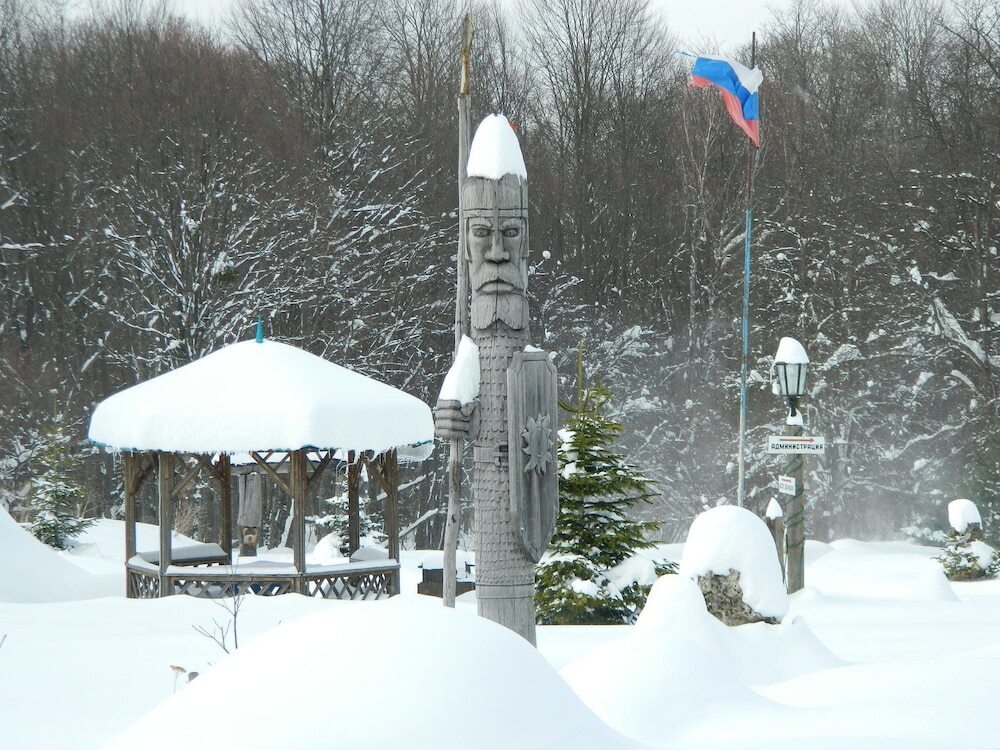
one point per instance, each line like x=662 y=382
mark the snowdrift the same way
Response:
x=34 y=572
x=405 y=673
x=681 y=672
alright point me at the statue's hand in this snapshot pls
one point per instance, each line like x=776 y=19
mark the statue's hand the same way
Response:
x=454 y=421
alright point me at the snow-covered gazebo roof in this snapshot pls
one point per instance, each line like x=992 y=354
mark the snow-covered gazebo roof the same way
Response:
x=259 y=396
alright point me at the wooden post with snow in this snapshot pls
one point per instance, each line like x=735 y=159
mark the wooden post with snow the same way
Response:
x=791 y=363
x=795 y=524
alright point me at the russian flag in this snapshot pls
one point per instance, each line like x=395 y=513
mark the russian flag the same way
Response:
x=738 y=85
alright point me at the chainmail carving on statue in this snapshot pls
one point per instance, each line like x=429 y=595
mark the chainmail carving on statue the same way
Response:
x=515 y=490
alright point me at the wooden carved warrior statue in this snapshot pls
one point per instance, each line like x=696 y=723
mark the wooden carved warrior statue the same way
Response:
x=513 y=423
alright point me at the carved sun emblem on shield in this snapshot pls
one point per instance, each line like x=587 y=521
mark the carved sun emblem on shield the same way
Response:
x=538 y=441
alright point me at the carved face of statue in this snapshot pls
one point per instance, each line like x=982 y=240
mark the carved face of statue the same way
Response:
x=498 y=270
x=496 y=257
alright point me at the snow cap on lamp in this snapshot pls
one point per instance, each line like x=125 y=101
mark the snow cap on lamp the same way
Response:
x=790 y=365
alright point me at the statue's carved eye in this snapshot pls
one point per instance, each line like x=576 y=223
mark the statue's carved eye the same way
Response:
x=481 y=231
x=511 y=232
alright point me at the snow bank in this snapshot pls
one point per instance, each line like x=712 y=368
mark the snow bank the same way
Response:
x=758 y=653
x=731 y=538
x=650 y=683
x=34 y=572
x=405 y=673
x=879 y=570
x=680 y=671
x=495 y=151
x=961 y=513
x=462 y=381
x=215 y=404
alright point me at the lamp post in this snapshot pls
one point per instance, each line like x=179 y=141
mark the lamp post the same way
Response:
x=789 y=380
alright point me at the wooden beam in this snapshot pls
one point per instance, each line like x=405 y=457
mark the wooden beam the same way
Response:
x=353 y=506
x=318 y=470
x=223 y=473
x=144 y=470
x=166 y=515
x=189 y=476
x=262 y=462
x=374 y=466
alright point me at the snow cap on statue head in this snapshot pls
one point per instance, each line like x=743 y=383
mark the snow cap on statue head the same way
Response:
x=497 y=176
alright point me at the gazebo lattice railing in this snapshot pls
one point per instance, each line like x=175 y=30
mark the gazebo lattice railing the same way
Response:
x=213 y=575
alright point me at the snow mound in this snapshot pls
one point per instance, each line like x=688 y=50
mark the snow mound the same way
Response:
x=931 y=584
x=462 y=381
x=880 y=570
x=731 y=538
x=327 y=550
x=495 y=151
x=961 y=513
x=34 y=572
x=408 y=673
x=681 y=673
x=759 y=653
x=214 y=404
x=674 y=603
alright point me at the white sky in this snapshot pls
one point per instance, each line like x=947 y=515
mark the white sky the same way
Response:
x=697 y=23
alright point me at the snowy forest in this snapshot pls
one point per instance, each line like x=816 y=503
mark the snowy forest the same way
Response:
x=162 y=185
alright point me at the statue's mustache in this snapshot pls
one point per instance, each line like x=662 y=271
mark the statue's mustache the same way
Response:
x=507 y=272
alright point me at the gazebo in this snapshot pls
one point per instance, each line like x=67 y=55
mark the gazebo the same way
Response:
x=294 y=414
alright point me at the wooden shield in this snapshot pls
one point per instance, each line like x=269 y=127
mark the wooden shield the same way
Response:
x=532 y=424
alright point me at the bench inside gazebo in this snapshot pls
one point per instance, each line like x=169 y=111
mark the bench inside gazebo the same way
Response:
x=295 y=415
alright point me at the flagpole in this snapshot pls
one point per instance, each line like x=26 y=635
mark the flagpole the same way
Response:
x=747 y=230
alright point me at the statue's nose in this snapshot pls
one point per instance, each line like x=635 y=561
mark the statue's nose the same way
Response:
x=496 y=253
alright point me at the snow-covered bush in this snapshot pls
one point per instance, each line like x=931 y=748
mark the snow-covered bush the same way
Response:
x=591 y=574
x=966 y=557
x=730 y=553
x=335 y=519
x=56 y=497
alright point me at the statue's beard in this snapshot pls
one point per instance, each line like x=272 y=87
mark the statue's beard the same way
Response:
x=511 y=309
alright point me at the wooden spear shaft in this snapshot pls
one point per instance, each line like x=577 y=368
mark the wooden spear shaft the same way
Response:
x=449 y=573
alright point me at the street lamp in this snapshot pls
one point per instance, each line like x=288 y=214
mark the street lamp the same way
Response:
x=789 y=376
x=789 y=380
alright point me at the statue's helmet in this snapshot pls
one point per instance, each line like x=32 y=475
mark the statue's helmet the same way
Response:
x=497 y=184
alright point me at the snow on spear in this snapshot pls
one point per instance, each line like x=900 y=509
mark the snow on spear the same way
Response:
x=513 y=421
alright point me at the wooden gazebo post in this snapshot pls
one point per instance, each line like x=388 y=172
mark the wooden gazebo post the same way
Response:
x=130 y=472
x=353 y=505
x=165 y=481
x=224 y=475
x=384 y=468
x=298 y=482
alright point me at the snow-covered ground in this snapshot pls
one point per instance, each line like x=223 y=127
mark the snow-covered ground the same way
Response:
x=879 y=651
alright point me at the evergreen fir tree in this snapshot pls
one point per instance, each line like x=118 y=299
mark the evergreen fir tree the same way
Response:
x=576 y=583
x=966 y=557
x=55 y=495
x=335 y=521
